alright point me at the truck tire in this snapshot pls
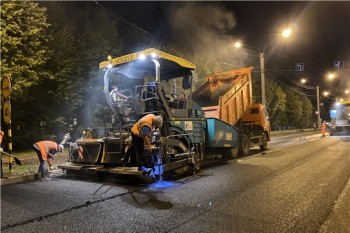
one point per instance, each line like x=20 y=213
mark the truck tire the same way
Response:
x=231 y=153
x=244 y=145
x=264 y=145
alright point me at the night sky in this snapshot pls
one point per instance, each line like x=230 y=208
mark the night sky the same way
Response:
x=321 y=30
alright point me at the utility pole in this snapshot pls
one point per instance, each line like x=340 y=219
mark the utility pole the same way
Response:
x=318 y=108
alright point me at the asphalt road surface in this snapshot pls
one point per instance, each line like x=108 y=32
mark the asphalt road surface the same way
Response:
x=301 y=184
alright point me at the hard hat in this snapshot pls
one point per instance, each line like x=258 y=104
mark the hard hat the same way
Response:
x=60 y=148
x=158 y=121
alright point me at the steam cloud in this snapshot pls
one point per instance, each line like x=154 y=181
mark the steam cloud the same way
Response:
x=202 y=26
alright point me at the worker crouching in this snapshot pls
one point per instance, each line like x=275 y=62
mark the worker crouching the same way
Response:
x=45 y=151
x=140 y=135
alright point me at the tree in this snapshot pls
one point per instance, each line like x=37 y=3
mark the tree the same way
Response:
x=98 y=36
x=24 y=52
x=63 y=64
x=205 y=63
x=293 y=109
x=306 y=120
x=53 y=61
x=278 y=107
x=23 y=45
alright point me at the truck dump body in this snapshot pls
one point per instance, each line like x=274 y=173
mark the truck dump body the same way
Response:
x=226 y=95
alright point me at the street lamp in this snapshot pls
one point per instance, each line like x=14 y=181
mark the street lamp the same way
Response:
x=318 y=107
x=331 y=76
x=285 y=33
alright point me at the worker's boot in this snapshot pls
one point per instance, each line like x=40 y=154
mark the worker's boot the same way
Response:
x=144 y=169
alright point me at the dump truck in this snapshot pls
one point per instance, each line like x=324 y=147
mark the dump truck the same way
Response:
x=228 y=96
x=340 y=118
x=152 y=81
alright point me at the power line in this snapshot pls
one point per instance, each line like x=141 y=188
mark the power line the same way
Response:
x=291 y=88
x=121 y=19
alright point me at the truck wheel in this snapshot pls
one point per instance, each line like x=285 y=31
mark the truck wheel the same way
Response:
x=264 y=145
x=231 y=153
x=244 y=145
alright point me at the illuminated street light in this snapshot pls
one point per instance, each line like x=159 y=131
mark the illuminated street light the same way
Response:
x=325 y=93
x=331 y=76
x=285 y=33
x=303 y=81
x=238 y=44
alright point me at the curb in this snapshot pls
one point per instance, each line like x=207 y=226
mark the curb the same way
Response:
x=19 y=179
x=25 y=178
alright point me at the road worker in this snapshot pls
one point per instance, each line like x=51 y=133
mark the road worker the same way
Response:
x=1 y=136
x=324 y=128
x=45 y=151
x=141 y=133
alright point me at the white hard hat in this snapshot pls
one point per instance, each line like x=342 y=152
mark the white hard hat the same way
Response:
x=60 y=148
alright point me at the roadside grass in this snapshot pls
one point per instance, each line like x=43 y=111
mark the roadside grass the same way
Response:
x=20 y=170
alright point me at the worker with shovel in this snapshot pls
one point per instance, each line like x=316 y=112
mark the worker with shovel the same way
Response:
x=45 y=151
x=18 y=162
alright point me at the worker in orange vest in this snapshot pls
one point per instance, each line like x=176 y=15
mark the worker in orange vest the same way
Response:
x=140 y=134
x=324 y=127
x=45 y=151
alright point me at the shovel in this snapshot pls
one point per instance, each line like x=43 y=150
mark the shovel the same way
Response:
x=18 y=162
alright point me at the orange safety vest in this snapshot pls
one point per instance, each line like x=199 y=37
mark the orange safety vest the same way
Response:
x=45 y=147
x=324 y=127
x=144 y=121
x=1 y=136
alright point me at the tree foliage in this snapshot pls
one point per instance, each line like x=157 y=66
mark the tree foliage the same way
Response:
x=277 y=100
x=288 y=109
x=24 y=49
x=52 y=56
x=204 y=62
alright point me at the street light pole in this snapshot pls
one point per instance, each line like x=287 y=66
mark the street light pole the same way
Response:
x=318 y=107
x=286 y=33
x=262 y=78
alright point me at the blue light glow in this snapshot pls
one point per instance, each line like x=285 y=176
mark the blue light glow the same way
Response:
x=333 y=113
x=163 y=185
